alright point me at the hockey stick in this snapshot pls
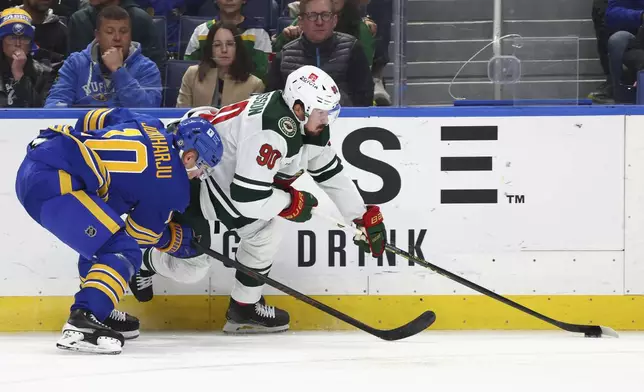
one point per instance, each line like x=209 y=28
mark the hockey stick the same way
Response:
x=588 y=330
x=419 y=324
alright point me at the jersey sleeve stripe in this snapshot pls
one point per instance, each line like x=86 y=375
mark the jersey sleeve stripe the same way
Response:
x=65 y=180
x=325 y=167
x=141 y=234
x=328 y=174
x=91 y=160
x=223 y=200
x=102 y=117
x=245 y=195
x=252 y=182
x=90 y=122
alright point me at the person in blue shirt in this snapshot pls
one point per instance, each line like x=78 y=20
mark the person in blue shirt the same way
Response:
x=110 y=72
x=77 y=183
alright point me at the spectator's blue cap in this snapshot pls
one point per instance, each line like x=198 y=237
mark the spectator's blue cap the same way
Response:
x=16 y=21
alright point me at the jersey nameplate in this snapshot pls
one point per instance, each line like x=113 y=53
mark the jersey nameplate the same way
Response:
x=258 y=104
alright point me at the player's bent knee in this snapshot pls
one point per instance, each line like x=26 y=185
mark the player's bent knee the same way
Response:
x=189 y=270
x=122 y=253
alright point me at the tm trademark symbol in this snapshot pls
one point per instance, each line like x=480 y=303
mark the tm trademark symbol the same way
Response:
x=516 y=199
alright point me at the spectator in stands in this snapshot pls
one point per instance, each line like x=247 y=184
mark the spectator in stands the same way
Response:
x=83 y=24
x=24 y=82
x=624 y=17
x=223 y=74
x=381 y=12
x=338 y=54
x=66 y=8
x=604 y=94
x=256 y=39
x=634 y=56
x=349 y=22
x=51 y=33
x=110 y=72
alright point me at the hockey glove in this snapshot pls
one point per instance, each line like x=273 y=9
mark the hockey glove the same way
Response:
x=374 y=238
x=301 y=207
x=179 y=241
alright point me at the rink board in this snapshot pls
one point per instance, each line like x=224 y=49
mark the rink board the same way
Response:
x=542 y=204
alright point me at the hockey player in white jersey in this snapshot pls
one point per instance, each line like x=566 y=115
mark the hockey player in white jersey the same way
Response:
x=269 y=140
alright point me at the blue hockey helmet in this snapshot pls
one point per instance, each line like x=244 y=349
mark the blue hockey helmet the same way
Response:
x=198 y=134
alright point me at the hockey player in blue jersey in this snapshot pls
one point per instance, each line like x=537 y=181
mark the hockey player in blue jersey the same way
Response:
x=77 y=183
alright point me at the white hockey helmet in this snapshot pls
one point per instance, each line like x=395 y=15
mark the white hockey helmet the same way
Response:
x=315 y=89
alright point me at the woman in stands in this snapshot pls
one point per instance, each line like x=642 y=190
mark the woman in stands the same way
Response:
x=223 y=75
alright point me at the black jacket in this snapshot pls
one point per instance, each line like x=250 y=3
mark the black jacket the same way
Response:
x=83 y=23
x=31 y=90
x=51 y=38
x=341 y=56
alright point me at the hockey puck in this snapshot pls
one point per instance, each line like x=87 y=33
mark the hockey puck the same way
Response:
x=593 y=335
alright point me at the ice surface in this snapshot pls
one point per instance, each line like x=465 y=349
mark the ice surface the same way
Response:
x=328 y=361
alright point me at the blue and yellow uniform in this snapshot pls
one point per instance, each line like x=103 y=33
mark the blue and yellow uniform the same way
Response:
x=77 y=183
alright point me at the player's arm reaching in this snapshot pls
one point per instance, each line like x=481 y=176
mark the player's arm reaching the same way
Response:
x=259 y=159
x=327 y=171
x=151 y=227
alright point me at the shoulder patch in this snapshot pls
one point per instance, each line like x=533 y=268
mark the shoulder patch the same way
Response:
x=287 y=126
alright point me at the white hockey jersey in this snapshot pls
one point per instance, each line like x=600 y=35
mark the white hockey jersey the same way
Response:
x=264 y=147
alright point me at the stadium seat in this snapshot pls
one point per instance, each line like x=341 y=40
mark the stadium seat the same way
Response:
x=161 y=27
x=188 y=24
x=273 y=17
x=173 y=75
x=283 y=22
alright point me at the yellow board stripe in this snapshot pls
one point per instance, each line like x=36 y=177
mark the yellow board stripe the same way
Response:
x=109 y=270
x=108 y=280
x=101 y=286
x=97 y=211
x=82 y=279
x=65 y=180
x=455 y=312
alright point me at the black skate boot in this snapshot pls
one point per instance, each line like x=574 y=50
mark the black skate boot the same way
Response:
x=255 y=318
x=123 y=323
x=141 y=283
x=83 y=332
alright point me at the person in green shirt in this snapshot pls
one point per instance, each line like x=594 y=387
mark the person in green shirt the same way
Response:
x=256 y=40
x=349 y=22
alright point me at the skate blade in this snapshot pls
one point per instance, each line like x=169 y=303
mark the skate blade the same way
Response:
x=75 y=341
x=129 y=335
x=248 y=329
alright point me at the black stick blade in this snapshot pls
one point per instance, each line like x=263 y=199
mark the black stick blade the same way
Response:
x=419 y=324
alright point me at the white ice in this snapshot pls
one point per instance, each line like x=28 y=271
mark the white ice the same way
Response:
x=328 y=361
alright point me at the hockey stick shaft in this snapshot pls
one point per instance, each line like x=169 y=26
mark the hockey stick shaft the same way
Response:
x=417 y=325
x=590 y=330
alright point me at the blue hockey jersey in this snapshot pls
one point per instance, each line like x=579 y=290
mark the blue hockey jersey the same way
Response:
x=128 y=160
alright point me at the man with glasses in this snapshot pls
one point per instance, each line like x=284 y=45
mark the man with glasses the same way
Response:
x=24 y=82
x=338 y=54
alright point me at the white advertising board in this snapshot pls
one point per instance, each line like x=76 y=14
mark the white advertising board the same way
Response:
x=521 y=205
